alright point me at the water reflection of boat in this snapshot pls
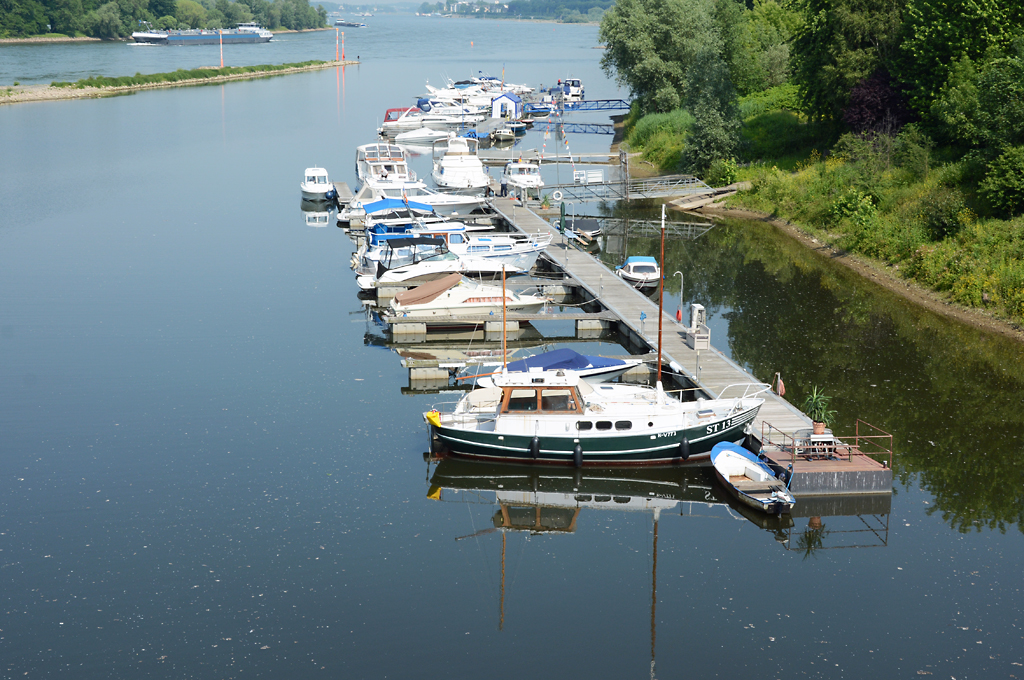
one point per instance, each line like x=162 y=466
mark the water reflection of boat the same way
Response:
x=521 y=486
x=549 y=502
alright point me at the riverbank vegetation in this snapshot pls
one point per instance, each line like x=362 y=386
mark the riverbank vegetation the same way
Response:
x=878 y=127
x=111 y=20
x=180 y=75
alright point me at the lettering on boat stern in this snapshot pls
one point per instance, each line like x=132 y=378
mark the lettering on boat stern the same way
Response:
x=665 y=434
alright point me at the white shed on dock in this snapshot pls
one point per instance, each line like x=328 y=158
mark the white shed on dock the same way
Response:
x=507 y=105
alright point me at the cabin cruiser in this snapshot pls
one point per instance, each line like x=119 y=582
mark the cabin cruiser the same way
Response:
x=457 y=168
x=421 y=135
x=441 y=203
x=523 y=175
x=415 y=260
x=316 y=186
x=454 y=296
x=382 y=162
x=640 y=272
x=413 y=118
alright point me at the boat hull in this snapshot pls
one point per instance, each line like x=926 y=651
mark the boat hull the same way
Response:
x=604 y=448
x=211 y=38
x=773 y=507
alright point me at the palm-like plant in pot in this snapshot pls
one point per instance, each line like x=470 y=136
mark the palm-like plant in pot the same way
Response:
x=816 y=406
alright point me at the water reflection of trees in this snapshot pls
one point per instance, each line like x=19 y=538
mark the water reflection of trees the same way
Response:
x=949 y=393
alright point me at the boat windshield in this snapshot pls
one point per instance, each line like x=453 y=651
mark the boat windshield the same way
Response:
x=644 y=269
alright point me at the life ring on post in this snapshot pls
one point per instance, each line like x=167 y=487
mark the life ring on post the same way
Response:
x=557 y=195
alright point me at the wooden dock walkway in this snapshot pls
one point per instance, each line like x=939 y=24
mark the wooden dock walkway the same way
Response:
x=709 y=370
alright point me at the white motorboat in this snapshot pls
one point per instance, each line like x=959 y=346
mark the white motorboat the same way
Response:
x=414 y=117
x=503 y=134
x=750 y=479
x=523 y=175
x=413 y=261
x=556 y=417
x=641 y=272
x=455 y=296
x=316 y=186
x=457 y=167
x=423 y=135
x=442 y=203
x=516 y=251
x=382 y=162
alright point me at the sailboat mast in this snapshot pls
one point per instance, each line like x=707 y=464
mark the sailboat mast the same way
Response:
x=661 y=288
x=504 y=324
x=654 y=586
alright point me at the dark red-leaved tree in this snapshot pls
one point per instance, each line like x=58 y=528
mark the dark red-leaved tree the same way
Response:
x=876 y=106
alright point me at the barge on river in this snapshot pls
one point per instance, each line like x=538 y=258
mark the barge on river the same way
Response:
x=245 y=33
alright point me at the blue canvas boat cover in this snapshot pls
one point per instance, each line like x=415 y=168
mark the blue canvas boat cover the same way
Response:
x=395 y=204
x=562 y=358
x=637 y=259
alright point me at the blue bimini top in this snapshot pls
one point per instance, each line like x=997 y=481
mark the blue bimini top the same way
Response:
x=562 y=358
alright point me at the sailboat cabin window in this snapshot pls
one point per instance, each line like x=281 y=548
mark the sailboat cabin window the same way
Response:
x=557 y=400
x=604 y=424
x=584 y=425
x=522 y=400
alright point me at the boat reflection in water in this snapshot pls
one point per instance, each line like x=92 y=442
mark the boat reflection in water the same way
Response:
x=550 y=501
x=315 y=213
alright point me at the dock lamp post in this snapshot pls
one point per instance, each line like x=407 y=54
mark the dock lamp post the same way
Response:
x=679 y=312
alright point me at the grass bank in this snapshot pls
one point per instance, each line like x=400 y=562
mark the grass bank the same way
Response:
x=181 y=75
x=102 y=86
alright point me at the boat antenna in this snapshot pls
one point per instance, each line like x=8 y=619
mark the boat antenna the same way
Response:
x=661 y=289
x=504 y=324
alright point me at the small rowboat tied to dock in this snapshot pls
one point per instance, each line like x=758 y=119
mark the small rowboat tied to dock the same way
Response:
x=750 y=479
x=556 y=417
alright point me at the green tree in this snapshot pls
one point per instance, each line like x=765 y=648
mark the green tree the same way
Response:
x=839 y=44
x=938 y=33
x=762 y=58
x=190 y=13
x=652 y=45
x=24 y=17
x=65 y=16
x=1003 y=186
x=983 y=106
x=162 y=8
x=104 y=22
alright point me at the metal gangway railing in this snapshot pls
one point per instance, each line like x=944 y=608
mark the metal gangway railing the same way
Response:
x=617 y=189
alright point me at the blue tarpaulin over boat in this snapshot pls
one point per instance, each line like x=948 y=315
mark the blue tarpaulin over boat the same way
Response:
x=562 y=358
x=395 y=204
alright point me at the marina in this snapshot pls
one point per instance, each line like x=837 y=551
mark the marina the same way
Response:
x=217 y=461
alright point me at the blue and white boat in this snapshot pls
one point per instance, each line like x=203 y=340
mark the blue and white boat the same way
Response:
x=590 y=368
x=641 y=272
x=750 y=479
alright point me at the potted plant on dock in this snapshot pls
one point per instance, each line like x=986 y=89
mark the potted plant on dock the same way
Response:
x=816 y=406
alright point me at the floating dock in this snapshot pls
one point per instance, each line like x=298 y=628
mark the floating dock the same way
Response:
x=780 y=429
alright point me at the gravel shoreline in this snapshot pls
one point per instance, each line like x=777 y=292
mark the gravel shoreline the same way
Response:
x=38 y=93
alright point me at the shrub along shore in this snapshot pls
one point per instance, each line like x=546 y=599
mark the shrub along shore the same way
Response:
x=102 y=86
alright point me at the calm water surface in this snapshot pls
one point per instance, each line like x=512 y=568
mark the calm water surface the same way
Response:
x=211 y=468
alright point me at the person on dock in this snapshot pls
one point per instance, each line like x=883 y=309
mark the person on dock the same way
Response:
x=504 y=187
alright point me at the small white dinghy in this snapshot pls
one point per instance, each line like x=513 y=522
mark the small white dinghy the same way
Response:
x=750 y=479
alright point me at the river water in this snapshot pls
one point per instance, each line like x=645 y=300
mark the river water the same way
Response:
x=212 y=463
